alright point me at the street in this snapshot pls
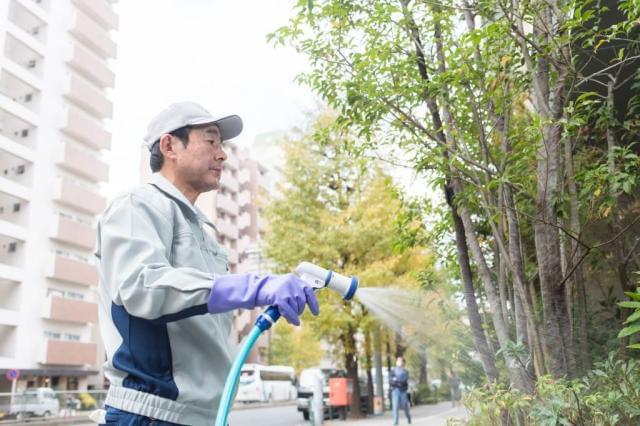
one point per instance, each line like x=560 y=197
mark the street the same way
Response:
x=279 y=415
x=287 y=415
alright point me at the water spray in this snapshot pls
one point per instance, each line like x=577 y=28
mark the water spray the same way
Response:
x=317 y=278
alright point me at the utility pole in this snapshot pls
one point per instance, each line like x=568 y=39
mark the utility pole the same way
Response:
x=377 y=362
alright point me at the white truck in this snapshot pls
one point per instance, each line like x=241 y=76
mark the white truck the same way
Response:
x=41 y=402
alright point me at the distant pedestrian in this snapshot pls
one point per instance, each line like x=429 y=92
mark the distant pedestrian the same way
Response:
x=399 y=384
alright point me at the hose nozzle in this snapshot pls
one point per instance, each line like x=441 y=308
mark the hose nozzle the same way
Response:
x=319 y=277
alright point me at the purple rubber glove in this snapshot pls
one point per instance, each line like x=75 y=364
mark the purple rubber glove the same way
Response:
x=288 y=292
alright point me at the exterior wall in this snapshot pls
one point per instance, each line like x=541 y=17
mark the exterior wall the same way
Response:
x=53 y=106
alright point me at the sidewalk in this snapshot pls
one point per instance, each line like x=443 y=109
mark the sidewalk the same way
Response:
x=421 y=415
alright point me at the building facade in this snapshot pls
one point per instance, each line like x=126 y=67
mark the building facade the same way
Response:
x=55 y=76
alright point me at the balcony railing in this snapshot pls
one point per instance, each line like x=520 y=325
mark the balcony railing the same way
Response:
x=69 y=310
x=73 y=232
x=89 y=97
x=226 y=204
x=79 y=197
x=244 y=198
x=100 y=11
x=86 y=129
x=93 y=35
x=73 y=271
x=244 y=221
x=91 y=66
x=227 y=229
x=83 y=163
x=60 y=352
x=11 y=273
x=244 y=176
x=229 y=182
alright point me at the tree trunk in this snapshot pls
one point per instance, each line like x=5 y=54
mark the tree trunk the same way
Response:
x=519 y=376
x=351 y=365
x=486 y=356
x=577 y=280
x=400 y=347
x=377 y=358
x=368 y=363
x=423 y=378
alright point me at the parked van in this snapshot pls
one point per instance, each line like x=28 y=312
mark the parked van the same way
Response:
x=41 y=402
x=261 y=383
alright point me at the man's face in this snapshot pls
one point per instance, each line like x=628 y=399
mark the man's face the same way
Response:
x=199 y=165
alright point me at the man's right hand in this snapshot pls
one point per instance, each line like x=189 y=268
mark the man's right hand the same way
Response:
x=288 y=292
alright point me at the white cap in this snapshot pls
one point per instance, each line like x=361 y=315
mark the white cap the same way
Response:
x=183 y=114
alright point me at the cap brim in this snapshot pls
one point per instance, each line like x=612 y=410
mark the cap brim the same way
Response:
x=230 y=126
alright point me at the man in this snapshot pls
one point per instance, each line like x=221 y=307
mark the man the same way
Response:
x=399 y=383
x=166 y=300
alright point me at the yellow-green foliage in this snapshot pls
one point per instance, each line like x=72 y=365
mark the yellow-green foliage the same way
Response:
x=294 y=346
x=339 y=212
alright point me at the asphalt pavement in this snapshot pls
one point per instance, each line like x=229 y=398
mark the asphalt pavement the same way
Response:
x=265 y=415
x=287 y=415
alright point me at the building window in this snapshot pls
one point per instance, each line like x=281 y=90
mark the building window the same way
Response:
x=16 y=207
x=55 y=292
x=24 y=133
x=20 y=169
x=53 y=335
x=74 y=295
x=12 y=247
x=72 y=337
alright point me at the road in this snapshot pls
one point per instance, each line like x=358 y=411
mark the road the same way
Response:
x=287 y=415
x=281 y=415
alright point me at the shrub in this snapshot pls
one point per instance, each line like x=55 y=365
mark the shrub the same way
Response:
x=88 y=402
x=607 y=395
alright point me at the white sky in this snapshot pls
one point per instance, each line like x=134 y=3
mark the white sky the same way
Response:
x=210 y=51
x=213 y=52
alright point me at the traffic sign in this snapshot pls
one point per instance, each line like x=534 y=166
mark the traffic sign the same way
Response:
x=13 y=374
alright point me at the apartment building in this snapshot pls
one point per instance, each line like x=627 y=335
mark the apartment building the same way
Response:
x=54 y=82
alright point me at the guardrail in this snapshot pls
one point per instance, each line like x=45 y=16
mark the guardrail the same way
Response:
x=46 y=406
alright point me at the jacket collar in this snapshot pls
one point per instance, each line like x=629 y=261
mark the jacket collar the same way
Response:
x=169 y=189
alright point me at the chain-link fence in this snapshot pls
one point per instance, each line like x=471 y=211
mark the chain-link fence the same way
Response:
x=47 y=403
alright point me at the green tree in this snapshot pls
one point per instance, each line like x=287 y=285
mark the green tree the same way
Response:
x=337 y=211
x=510 y=109
x=296 y=347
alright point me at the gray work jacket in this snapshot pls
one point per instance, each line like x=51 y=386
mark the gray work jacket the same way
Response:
x=167 y=358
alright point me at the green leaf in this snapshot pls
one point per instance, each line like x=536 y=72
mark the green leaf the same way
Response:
x=633 y=317
x=634 y=346
x=634 y=296
x=628 y=331
x=633 y=305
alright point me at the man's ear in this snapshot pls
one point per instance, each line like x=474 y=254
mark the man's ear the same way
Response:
x=167 y=147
